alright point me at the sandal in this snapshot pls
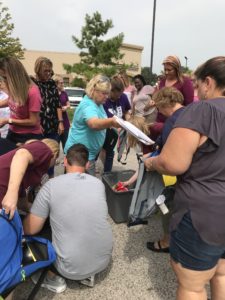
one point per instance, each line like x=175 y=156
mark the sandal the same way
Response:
x=151 y=246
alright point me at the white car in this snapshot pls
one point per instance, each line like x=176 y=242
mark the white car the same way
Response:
x=75 y=95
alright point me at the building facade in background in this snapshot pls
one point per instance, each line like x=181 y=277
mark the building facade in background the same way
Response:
x=132 y=55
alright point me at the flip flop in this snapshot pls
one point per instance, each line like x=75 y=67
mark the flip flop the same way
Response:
x=151 y=246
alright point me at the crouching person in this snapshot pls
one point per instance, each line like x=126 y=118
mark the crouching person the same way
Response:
x=76 y=206
x=24 y=167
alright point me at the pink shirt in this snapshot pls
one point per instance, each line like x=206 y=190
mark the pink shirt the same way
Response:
x=141 y=98
x=18 y=112
x=129 y=91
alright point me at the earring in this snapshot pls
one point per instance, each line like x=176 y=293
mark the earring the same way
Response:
x=205 y=96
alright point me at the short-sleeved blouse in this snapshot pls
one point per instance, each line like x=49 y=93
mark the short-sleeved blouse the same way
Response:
x=201 y=189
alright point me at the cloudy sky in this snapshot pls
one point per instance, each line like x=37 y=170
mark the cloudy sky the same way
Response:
x=191 y=28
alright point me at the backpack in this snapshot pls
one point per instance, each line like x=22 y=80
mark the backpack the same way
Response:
x=148 y=187
x=21 y=255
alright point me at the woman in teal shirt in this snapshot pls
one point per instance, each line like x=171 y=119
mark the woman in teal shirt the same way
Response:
x=90 y=120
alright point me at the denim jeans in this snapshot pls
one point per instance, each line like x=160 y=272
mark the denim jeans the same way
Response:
x=187 y=247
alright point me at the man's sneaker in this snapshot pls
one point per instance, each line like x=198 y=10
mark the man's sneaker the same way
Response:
x=90 y=281
x=53 y=283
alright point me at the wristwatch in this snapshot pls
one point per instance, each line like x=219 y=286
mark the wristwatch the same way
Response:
x=60 y=121
x=10 y=121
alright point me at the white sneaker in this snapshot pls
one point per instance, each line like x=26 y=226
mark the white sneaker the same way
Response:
x=53 y=283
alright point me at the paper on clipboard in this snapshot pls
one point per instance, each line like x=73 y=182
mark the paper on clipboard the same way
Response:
x=133 y=130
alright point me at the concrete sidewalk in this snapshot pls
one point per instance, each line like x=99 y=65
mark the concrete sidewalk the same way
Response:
x=135 y=272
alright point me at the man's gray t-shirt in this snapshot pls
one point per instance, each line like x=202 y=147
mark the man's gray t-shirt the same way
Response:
x=81 y=234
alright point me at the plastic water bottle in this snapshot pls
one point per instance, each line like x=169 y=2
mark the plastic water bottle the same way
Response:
x=160 y=202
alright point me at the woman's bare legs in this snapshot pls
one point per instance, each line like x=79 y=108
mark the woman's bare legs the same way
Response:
x=191 y=284
x=217 y=283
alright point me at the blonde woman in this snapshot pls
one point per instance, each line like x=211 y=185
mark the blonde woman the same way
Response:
x=24 y=102
x=90 y=120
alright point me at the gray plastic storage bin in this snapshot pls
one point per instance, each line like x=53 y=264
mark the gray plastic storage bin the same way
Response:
x=118 y=202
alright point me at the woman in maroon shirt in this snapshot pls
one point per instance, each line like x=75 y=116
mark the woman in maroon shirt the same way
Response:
x=24 y=167
x=175 y=78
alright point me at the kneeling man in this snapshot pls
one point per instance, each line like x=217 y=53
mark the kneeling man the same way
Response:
x=81 y=235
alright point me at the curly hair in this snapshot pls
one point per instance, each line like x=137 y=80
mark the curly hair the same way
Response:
x=167 y=96
x=100 y=82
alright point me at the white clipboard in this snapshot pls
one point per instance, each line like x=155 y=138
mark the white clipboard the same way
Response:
x=133 y=130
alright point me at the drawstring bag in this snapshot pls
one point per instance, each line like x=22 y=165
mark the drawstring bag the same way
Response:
x=21 y=255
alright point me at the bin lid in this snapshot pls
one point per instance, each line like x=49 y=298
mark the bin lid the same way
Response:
x=133 y=130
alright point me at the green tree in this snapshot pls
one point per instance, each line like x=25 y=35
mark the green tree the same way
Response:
x=150 y=78
x=97 y=55
x=186 y=71
x=95 y=50
x=79 y=82
x=9 y=46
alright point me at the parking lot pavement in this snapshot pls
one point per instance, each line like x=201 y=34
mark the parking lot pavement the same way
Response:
x=135 y=272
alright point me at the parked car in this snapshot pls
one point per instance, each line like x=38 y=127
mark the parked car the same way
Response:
x=75 y=95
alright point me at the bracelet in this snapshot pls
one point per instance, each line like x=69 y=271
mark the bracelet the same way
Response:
x=60 y=121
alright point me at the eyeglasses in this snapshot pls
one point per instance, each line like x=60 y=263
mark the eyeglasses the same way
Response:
x=47 y=71
x=102 y=92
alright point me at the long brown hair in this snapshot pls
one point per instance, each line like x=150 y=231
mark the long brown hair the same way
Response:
x=16 y=78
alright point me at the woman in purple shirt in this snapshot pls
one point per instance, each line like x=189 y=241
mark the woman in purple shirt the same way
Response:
x=117 y=104
x=64 y=100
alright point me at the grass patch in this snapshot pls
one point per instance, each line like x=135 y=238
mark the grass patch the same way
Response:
x=71 y=113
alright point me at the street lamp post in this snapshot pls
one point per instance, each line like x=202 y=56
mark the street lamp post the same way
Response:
x=153 y=34
x=186 y=59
